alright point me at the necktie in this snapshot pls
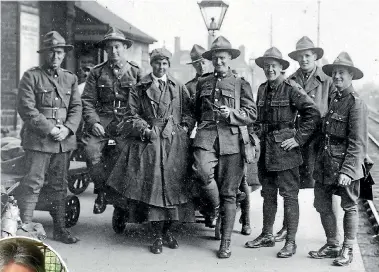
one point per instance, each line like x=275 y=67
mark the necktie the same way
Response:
x=161 y=84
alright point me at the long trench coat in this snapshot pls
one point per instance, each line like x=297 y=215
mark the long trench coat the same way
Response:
x=154 y=171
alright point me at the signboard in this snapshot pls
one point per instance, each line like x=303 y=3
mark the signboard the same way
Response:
x=29 y=40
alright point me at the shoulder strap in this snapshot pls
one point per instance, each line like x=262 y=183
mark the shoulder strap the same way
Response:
x=237 y=94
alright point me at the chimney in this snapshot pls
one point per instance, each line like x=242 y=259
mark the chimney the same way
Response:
x=177 y=44
x=242 y=49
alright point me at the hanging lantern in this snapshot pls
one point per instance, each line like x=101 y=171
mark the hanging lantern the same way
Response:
x=213 y=12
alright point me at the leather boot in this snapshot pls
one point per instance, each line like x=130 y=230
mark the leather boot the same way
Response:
x=281 y=235
x=224 y=251
x=345 y=257
x=288 y=250
x=157 y=246
x=100 y=203
x=60 y=233
x=245 y=210
x=263 y=240
x=211 y=195
x=326 y=251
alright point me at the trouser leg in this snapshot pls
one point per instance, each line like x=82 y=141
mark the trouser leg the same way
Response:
x=230 y=175
x=289 y=182
x=323 y=204
x=245 y=204
x=349 y=203
x=204 y=165
x=28 y=191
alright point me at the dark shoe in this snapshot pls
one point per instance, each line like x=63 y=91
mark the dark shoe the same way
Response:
x=327 y=251
x=64 y=236
x=345 y=257
x=246 y=230
x=224 y=251
x=100 y=203
x=281 y=235
x=288 y=250
x=263 y=240
x=156 y=247
x=211 y=218
x=171 y=242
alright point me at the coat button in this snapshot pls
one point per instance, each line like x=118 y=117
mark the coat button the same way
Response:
x=44 y=91
x=130 y=84
x=173 y=133
x=216 y=100
x=219 y=79
x=327 y=122
x=325 y=147
x=115 y=111
x=313 y=96
x=58 y=120
x=56 y=98
x=335 y=100
x=217 y=89
x=217 y=122
x=331 y=111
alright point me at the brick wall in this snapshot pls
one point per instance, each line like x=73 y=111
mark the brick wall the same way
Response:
x=9 y=61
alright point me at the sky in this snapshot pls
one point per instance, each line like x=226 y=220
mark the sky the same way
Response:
x=345 y=25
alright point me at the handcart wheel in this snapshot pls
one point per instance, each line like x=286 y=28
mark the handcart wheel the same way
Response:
x=218 y=229
x=77 y=184
x=119 y=220
x=72 y=211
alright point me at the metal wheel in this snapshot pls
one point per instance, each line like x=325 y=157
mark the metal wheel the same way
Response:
x=77 y=184
x=218 y=229
x=119 y=220
x=72 y=211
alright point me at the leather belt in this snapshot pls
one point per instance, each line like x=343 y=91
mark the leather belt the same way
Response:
x=159 y=122
x=54 y=113
x=270 y=127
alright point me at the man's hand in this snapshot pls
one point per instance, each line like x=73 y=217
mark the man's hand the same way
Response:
x=289 y=144
x=225 y=111
x=54 y=132
x=63 y=133
x=98 y=130
x=344 y=180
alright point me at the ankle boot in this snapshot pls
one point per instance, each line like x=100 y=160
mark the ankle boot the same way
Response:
x=224 y=251
x=326 y=251
x=288 y=250
x=100 y=203
x=60 y=233
x=345 y=257
x=263 y=240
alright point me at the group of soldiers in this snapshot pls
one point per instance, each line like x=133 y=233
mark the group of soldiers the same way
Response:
x=312 y=130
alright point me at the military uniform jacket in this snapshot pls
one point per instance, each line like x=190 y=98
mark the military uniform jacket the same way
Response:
x=288 y=99
x=106 y=92
x=344 y=145
x=191 y=86
x=319 y=86
x=46 y=99
x=214 y=90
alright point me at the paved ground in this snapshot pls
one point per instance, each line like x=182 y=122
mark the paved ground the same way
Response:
x=100 y=249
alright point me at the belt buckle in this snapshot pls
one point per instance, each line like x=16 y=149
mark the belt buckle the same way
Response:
x=55 y=112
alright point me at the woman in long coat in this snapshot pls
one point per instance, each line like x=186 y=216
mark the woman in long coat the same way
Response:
x=151 y=170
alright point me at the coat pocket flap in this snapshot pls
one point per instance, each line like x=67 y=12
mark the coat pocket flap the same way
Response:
x=339 y=117
x=234 y=130
x=338 y=151
x=127 y=83
x=260 y=103
x=227 y=93
x=283 y=134
x=206 y=92
x=102 y=82
x=44 y=90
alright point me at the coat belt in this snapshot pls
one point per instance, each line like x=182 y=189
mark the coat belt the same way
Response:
x=270 y=127
x=53 y=113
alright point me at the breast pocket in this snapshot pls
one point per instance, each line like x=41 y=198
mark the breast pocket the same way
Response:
x=125 y=87
x=228 y=98
x=44 y=96
x=105 y=90
x=281 y=111
x=338 y=125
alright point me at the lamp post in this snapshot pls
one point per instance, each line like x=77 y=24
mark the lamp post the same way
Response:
x=213 y=13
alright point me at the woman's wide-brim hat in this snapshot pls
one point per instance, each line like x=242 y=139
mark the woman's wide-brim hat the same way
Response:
x=343 y=60
x=53 y=39
x=114 y=34
x=272 y=53
x=221 y=44
x=196 y=53
x=306 y=44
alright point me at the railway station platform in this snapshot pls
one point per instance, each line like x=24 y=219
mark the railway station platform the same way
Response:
x=100 y=249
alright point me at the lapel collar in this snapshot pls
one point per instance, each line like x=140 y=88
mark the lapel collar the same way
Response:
x=345 y=92
x=171 y=83
x=152 y=91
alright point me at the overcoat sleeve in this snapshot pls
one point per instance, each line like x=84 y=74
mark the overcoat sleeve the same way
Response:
x=27 y=105
x=310 y=115
x=247 y=113
x=357 y=140
x=74 y=112
x=187 y=114
x=89 y=100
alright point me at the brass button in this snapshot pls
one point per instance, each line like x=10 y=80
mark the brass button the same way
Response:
x=173 y=133
x=58 y=120
x=56 y=98
x=335 y=100
x=216 y=100
x=331 y=111
x=217 y=122
x=217 y=89
x=44 y=91
x=219 y=79
x=313 y=96
x=115 y=110
x=325 y=147
x=327 y=122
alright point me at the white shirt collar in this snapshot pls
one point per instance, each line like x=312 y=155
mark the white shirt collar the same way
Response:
x=164 y=78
